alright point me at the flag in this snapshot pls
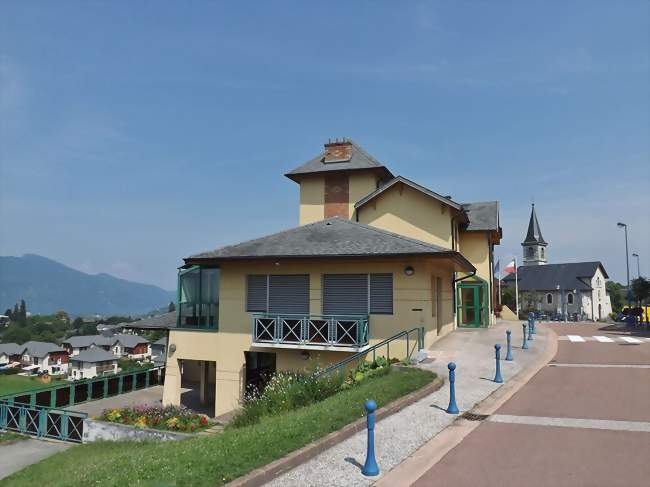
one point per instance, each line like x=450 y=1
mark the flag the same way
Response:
x=496 y=268
x=510 y=268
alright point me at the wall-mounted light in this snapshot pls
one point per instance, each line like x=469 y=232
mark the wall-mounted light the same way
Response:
x=409 y=271
x=277 y=264
x=172 y=349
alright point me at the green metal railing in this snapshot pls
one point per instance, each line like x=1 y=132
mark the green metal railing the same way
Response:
x=68 y=394
x=311 y=330
x=413 y=344
x=42 y=422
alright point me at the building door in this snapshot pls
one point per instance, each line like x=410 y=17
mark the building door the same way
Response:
x=471 y=304
x=260 y=366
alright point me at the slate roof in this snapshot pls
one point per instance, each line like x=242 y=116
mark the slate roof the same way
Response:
x=94 y=355
x=359 y=159
x=161 y=342
x=162 y=321
x=88 y=340
x=40 y=349
x=547 y=277
x=412 y=184
x=482 y=215
x=129 y=341
x=534 y=234
x=333 y=237
x=11 y=349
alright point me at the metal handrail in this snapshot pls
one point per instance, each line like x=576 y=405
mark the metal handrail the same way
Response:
x=373 y=349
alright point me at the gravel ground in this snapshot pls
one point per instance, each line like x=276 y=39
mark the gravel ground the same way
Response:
x=401 y=434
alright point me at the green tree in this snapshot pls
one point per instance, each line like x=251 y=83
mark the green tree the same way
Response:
x=641 y=289
x=172 y=307
x=16 y=334
x=8 y=313
x=77 y=323
x=22 y=313
x=616 y=295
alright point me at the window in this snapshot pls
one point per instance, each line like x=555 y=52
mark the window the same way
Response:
x=531 y=251
x=569 y=298
x=598 y=282
x=541 y=252
x=549 y=298
x=357 y=294
x=198 y=297
x=281 y=294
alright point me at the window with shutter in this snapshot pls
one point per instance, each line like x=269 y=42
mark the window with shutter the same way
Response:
x=289 y=294
x=345 y=294
x=256 y=293
x=381 y=294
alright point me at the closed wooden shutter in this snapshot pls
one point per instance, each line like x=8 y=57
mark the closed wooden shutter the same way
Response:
x=381 y=294
x=256 y=293
x=289 y=294
x=345 y=294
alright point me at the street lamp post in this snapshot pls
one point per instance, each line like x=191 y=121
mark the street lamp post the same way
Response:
x=627 y=261
x=638 y=266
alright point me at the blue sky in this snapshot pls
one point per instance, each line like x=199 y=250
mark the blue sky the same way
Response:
x=133 y=134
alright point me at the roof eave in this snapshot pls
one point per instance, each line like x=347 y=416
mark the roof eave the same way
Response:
x=295 y=177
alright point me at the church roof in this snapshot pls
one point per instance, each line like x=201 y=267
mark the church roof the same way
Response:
x=534 y=234
x=571 y=275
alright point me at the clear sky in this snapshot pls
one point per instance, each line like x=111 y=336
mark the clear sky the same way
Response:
x=133 y=134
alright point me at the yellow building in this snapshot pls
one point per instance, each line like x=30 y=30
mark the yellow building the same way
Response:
x=374 y=255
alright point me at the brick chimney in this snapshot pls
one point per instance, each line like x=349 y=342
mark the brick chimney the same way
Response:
x=338 y=151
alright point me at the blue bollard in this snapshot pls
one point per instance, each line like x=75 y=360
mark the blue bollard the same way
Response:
x=370 y=468
x=531 y=322
x=530 y=333
x=509 y=351
x=453 y=407
x=497 y=352
x=525 y=344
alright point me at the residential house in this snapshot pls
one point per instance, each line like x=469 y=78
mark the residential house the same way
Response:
x=76 y=344
x=131 y=346
x=124 y=345
x=10 y=353
x=374 y=255
x=91 y=363
x=159 y=351
x=44 y=357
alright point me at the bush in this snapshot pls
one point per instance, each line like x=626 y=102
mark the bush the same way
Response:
x=175 y=418
x=287 y=391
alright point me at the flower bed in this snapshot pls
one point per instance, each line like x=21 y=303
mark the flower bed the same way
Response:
x=172 y=418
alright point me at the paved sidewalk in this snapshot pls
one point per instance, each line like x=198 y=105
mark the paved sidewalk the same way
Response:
x=581 y=421
x=401 y=434
x=17 y=455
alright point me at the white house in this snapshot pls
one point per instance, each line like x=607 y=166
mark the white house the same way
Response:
x=130 y=346
x=9 y=353
x=44 y=357
x=91 y=363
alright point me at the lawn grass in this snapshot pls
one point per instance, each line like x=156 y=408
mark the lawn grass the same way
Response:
x=12 y=384
x=215 y=460
x=8 y=436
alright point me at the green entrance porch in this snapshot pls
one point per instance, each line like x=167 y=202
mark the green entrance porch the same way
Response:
x=472 y=303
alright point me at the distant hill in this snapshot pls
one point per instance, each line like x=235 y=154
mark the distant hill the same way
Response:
x=48 y=286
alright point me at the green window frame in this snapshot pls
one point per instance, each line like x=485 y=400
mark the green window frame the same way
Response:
x=198 y=298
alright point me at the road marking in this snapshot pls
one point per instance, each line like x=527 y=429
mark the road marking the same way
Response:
x=631 y=340
x=604 y=339
x=575 y=338
x=600 y=424
x=614 y=366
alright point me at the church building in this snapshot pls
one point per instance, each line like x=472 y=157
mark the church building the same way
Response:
x=573 y=288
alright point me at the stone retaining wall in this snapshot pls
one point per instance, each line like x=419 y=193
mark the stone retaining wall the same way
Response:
x=95 y=430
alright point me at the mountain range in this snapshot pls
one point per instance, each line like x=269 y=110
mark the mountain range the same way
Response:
x=48 y=286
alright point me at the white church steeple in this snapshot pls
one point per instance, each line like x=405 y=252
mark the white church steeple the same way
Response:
x=534 y=244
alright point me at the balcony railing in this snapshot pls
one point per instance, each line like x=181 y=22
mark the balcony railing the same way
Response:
x=312 y=330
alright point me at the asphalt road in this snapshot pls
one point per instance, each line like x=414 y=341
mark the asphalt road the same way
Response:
x=581 y=421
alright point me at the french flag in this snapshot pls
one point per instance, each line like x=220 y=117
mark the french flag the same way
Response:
x=510 y=268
